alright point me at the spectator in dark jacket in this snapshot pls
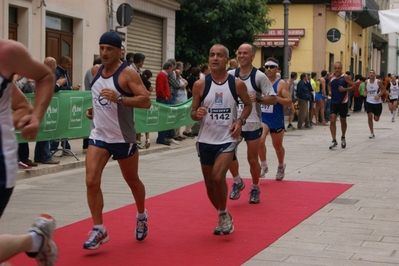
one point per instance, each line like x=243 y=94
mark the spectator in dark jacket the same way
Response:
x=303 y=96
x=61 y=71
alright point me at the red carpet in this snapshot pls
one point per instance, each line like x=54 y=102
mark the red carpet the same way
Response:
x=181 y=224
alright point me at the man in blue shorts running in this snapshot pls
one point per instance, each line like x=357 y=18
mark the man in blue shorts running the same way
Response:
x=117 y=89
x=215 y=100
x=339 y=85
x=273 y=118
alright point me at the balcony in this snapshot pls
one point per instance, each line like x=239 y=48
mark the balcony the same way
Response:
x=368 y=16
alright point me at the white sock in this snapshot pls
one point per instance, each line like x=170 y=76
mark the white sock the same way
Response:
x=141 y=216
x=222 y=212
x=253 y=186
x=237 y=179
x=263 y=164
x=395 y=113
x=99 y=227
x=37 y=241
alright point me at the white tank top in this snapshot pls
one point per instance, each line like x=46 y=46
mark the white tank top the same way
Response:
x=112 y=122
x=221 y=113
x=255 y=115
x=394 y=90
x=372 y=91
x=9 y=145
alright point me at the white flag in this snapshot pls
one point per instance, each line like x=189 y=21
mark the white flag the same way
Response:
x=389 y=21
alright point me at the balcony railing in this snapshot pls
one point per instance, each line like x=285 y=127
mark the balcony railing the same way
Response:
x=368 y=16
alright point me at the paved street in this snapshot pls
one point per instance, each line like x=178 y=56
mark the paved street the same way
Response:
x=361 y=227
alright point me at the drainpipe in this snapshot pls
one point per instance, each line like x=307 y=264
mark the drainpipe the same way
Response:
x=110 y=15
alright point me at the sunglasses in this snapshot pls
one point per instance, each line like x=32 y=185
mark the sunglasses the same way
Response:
x=271 y=67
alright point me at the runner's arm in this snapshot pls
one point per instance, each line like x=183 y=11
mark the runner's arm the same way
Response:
x=197 y=112
x=283 y=96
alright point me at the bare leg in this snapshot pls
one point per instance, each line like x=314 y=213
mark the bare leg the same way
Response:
x=215 y=180
x=252 y=155
x=262 y=144
x=11 y=245
x=234 y=168
x=370 y=122
x=323 y=120
x=129 y=168
x=277 y=139
x=343 y=126
x=292 y=114
x=333 y=126
x=96 y=159
x=316 y=112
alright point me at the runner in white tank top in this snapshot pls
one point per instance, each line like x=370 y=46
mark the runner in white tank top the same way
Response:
x=374 y=90
x=214 y=103
x=113 y=87
x=16 y=59
x=260 y=90
x=393 y=90
x=222 y=112
x=113 y=122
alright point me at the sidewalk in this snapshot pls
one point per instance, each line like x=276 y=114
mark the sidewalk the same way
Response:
x=70 y=162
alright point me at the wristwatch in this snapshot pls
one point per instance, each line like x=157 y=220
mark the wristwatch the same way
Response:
x=119 y=100
x=243 y=120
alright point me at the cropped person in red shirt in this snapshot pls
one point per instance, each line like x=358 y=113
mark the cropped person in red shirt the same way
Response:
x=163 y=96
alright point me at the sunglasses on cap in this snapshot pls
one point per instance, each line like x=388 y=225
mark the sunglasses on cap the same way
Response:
x=271 y=67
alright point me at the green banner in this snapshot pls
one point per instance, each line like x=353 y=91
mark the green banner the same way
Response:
x=163 y=117
x=65 y=117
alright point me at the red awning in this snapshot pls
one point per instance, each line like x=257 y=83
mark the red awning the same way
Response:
x=274 y=41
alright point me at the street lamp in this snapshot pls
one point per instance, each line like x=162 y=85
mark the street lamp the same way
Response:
x=286 y=3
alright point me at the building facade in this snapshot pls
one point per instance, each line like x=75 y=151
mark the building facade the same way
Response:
x=329 y=32
x=73 y=28
x=393 y=46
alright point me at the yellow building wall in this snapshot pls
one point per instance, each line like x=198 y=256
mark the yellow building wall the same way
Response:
x=337 y=49
x=353 y=41
x=358 y=47
x=314 y=50
x=300 y=16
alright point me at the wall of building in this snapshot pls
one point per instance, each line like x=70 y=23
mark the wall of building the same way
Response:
x=90 y=21
x=300 y=16
x=393 y=46
x=319 y=40
x=315 y=52
x=335 y=50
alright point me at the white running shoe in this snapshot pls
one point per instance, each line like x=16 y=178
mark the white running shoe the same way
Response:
x=44 y=226
x=139 y=145
x=142 y=227
x=225 y=225
x=173 y=141
x=97 y=238
x=280 y=173
x=372 y=136
x=147 y=143
x=393 y=119
x=263 y=171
